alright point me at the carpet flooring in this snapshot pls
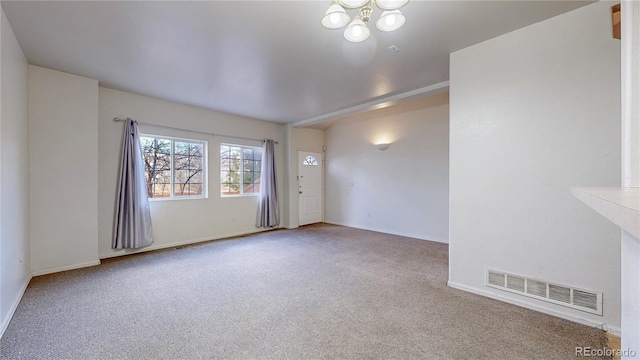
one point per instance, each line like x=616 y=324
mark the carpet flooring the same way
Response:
x=317 y=292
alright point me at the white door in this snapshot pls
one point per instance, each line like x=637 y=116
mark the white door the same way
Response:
x=310 y=192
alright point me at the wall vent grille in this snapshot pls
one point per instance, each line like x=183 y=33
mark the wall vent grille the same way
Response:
x=515 y=283
x=496 y=279
x=585 y=300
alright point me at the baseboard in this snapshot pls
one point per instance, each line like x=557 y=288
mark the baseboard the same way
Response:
x=65 y=268
x=180 y=243
x=383 y=231
x=14 y=306
x=612 y=329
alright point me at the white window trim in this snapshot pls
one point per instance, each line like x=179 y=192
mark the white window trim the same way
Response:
x=205 y=177
x=242 y=194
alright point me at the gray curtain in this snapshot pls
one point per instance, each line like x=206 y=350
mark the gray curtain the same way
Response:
x=268 y=211
x=132 y=223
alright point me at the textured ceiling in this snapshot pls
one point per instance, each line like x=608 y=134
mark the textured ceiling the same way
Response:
x=268 y=60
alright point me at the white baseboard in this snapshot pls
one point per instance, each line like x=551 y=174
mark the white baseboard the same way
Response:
x=65 y=268
x=614 y=330
x=123 y=252
x=600 y=325
x=14 y=306
x=384 y=231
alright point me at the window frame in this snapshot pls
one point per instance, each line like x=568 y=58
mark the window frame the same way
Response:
x=242 y=147
x=205 y=177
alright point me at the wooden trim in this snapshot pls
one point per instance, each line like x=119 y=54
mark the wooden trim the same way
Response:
x=615 y=19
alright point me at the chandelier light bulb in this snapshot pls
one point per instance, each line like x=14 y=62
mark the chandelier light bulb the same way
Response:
x=353 y=4
x=390 y=21
x=391 y=4
x=335 y=17
x=357 y=31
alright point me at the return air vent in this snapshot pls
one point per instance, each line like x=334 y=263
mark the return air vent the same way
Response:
x=580 y=299
x=585 y=299
x=537 y=288
x=560 y=293
x=496 y=279
x=515 y=283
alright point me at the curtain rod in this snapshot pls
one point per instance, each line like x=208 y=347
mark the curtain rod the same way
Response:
x=193 y=131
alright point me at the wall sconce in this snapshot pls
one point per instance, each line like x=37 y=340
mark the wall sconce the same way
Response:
x=382 y=146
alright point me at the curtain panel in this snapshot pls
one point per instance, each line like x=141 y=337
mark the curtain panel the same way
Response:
x=132 y=222
x=268 y=209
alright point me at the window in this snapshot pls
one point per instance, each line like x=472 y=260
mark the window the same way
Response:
x=174 y=168
x=239 y=169
x=310 y=161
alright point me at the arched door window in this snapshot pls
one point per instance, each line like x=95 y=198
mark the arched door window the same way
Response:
x=310 y=161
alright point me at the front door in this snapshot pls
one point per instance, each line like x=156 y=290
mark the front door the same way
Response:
x=310 y=191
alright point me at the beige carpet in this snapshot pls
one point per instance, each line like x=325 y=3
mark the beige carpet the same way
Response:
x=318 y=292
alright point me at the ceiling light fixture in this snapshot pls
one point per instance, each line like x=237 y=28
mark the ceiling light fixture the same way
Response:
x=390 y=20
x=336 y=17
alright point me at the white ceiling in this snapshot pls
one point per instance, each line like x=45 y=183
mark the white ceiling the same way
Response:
x=268 y=60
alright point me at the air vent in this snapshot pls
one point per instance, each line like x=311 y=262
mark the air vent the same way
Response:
x=585 y=299
x=580 y=299
x=496 y=279
x=537 y=288
x=515 y=283
x=560 y=293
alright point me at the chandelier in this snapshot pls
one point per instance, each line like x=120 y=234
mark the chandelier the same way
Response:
x=336 y=17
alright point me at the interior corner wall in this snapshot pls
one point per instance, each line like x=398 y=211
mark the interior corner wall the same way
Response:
x=15 y=271
x=63 y=166
x=403 y=190
x=300 y=139
x=183 y=221
x=534 y=113
x=630 y=245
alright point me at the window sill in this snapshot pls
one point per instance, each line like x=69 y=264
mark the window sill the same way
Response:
x=619 y=205
x=177 y=198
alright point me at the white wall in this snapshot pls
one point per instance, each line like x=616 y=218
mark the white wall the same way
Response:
x=63 y=153
x=178 y=222
x=630 y=171
x=14 y=175
x=630 y=293
x=534 y=113
x=299 y=139
x=403 y=190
